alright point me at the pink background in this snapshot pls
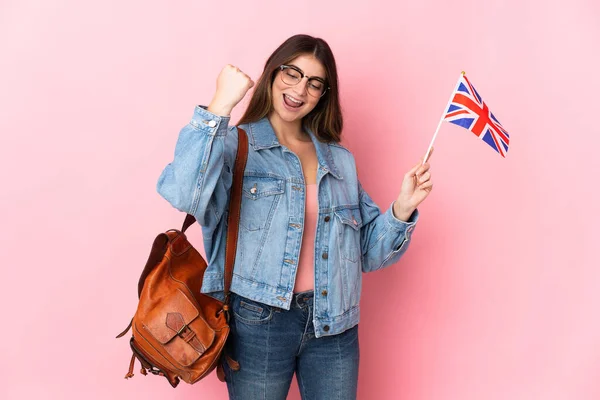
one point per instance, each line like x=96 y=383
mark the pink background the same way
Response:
x=496 y=299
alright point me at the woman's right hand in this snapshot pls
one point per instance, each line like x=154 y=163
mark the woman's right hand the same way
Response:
x=232 y=86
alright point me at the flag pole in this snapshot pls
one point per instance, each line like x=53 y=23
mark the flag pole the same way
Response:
x=442 y=118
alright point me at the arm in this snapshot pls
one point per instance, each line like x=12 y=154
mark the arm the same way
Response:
x=384 y=238
x=198 y=179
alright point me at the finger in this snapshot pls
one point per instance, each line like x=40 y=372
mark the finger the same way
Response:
x=426 y=186
x=424 y=177
x=422 y=169
x=413 y=171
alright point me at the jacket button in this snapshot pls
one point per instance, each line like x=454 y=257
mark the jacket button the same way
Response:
x=327 y=218
x=326 y=328
x=324 y=293
x=325 y=256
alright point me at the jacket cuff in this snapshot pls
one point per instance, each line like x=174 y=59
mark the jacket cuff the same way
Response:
x=398 y=224
x=209 y=123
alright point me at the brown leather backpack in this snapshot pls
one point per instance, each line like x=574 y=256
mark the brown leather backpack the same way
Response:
x=179 y=332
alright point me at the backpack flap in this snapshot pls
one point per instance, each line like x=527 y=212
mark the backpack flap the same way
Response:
x=176 y=324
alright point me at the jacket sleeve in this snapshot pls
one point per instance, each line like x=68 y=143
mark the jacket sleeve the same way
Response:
x=198 y=179
x=384 y=238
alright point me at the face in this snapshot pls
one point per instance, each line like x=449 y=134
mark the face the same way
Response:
x=292 y=102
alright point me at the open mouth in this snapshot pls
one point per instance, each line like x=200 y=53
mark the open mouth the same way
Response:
x=292 y=102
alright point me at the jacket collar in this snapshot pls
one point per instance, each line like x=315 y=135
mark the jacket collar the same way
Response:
x=262 y=136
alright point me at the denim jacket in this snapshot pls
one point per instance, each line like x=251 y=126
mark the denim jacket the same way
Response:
x=352 y=235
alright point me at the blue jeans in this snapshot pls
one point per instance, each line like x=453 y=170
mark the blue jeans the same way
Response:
x=272 y=343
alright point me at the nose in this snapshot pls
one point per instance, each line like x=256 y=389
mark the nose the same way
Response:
x=301 y=88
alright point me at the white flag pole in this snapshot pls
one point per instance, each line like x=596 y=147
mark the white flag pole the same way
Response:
x=442 y=118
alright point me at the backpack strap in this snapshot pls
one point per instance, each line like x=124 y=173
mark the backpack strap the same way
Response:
x=235 y=203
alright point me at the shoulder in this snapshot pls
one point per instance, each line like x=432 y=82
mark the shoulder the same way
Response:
x=342 y=155
x=337 y=148
x=344 y=159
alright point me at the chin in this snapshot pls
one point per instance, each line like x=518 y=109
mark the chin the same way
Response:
x=288 y=116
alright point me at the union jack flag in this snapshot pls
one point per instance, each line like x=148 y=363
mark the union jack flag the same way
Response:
x=468 y=110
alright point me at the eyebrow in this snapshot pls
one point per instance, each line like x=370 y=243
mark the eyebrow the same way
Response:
x=322 y=80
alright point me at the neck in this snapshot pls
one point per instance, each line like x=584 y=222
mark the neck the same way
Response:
x=287 y=132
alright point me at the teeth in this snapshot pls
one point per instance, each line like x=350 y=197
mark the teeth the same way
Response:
x=294 y=100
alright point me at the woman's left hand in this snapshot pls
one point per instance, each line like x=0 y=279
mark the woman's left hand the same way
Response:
x=416 y=186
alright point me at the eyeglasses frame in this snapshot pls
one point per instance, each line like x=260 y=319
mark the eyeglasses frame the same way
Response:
x=303 y=75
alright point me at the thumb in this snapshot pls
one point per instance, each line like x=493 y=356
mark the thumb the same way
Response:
x=413 y=170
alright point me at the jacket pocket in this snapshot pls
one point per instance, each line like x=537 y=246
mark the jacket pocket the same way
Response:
x=261 y=195
x=350 y=222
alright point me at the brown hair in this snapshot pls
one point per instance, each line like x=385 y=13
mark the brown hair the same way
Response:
x=325 y=120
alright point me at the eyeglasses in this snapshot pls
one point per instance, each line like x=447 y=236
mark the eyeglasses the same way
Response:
x=291 y=76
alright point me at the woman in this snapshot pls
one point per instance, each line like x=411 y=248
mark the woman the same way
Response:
x=307 y=227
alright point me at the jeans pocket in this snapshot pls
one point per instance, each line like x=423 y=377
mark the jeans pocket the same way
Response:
x=249 y=311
